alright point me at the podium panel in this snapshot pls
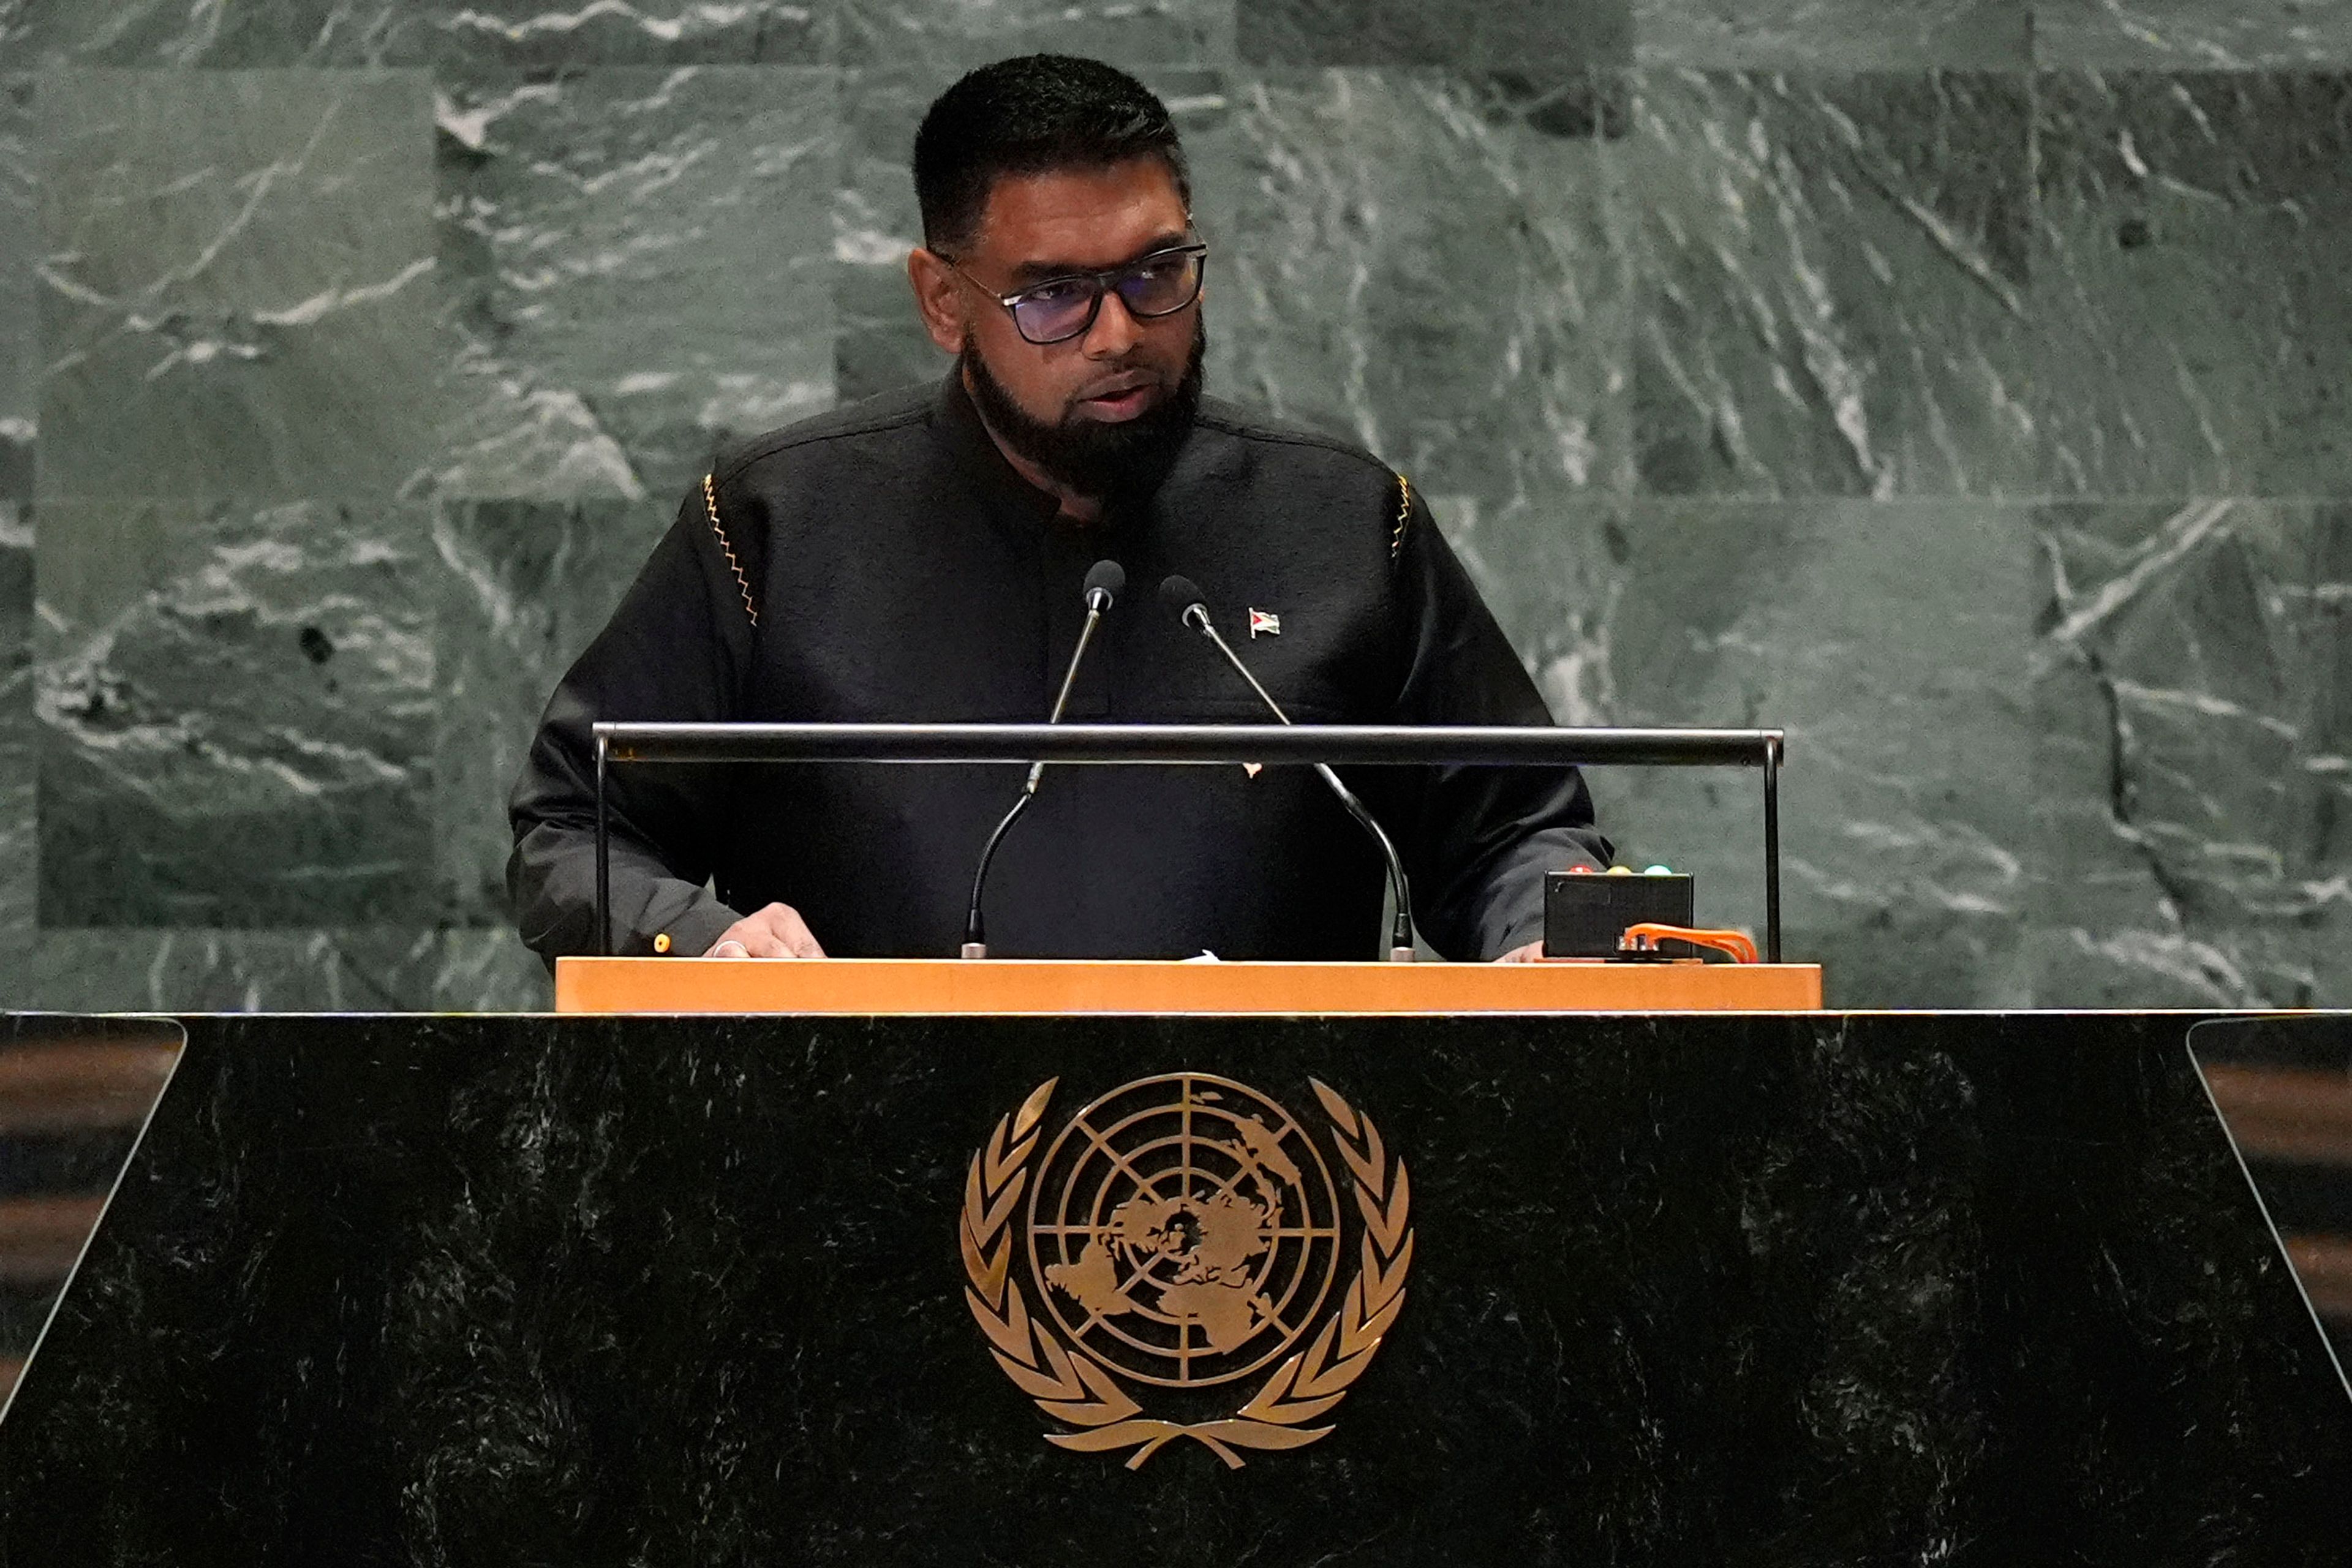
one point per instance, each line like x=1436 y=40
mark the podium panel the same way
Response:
x=926 y=985
x=1772 y=1289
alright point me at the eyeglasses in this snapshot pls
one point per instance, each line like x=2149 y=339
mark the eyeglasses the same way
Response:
x=1059 y=309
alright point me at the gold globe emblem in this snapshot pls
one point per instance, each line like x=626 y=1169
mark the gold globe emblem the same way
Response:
x=1186 y=1230
x=1181 y=1233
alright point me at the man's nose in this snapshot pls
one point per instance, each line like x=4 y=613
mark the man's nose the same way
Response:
x=1115 y=331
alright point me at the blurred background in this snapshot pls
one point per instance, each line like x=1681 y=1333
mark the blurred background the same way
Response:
x=1960 y=386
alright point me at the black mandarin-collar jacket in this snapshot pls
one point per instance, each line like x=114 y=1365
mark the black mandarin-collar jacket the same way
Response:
x=898 y=569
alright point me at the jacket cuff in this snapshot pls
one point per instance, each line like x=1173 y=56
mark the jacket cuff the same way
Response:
x=682 y=928
x=1513 y=912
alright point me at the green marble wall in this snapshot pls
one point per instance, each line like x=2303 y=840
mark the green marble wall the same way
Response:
x=1961 y=384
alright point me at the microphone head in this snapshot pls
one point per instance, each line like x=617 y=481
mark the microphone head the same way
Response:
x=1182 y=596
x=1108 y=579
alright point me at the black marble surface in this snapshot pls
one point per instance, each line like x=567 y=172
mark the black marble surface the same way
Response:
x=1982 y=1288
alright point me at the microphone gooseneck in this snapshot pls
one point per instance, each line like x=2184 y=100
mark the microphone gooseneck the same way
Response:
x=1184 y=596
x=1105 y=582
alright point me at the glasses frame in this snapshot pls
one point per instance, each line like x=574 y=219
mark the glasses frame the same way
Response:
x=1103 y=282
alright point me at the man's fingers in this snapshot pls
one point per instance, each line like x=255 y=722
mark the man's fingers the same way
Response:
x=776 y=931
x=783 y=924
x=749 y=939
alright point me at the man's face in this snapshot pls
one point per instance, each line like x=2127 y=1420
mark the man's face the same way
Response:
x=1037 y=227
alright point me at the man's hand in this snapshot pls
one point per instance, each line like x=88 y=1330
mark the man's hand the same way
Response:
x=776 y=931
x=1528 y=955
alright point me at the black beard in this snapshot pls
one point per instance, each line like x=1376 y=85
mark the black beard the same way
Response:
x=1090 y=457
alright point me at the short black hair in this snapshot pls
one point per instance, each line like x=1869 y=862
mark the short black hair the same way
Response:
x=1027 y=116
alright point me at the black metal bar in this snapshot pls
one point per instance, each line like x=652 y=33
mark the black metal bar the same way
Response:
x=1195 y=743
x=1772 y=851
x=603 y=859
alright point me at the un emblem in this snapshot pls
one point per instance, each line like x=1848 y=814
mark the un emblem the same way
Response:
x=1183 y=1234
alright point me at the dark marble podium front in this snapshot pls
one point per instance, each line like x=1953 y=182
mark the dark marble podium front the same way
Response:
x=1809 y=1289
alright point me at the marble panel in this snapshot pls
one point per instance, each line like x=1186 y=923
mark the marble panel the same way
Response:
x=532 y=32
x=236 y=710
x=2194 y=699
x=194 y=970
x=881 y=343
x=2192 y=35
x=529 y=585
x=19 y=313
x=2196 y=333
x=19 y=349
x=223 y=33
x=19 y=745
x=1553 y=577
x=235 y=292
x=1429 y=265
x=952 y=35
x=1890 y=642
x=1834 y=35
x=1541 y=36
x=1837 y=277
x=637 y=269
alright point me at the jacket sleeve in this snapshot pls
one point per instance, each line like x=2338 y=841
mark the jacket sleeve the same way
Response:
x=678 y=649
x=1476 y=840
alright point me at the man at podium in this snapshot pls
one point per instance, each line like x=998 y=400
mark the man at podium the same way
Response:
x=925 y=555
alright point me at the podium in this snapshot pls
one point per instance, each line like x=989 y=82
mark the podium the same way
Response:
x=1343 y=1281
x=1003 y=985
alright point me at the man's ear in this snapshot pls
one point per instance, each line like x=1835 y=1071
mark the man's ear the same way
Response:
x=935 y=296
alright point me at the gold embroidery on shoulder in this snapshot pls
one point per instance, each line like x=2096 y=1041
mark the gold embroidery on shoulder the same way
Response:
x=711 y=509
x=1404 y=516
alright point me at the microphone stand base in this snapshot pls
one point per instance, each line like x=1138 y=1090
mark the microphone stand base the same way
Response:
x=974 y=949
x=1399 y=955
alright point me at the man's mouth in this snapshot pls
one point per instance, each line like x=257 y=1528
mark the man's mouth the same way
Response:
x=1122 y=400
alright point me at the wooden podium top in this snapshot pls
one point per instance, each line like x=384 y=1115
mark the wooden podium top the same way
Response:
x=876 y=985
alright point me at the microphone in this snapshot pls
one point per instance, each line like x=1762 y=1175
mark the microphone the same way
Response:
x=1184 y=596
x=1105 y=582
